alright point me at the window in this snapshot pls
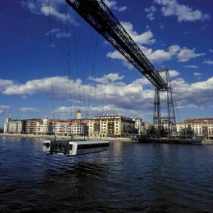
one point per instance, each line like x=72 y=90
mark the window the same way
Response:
x=47 y=145
x=90 y=146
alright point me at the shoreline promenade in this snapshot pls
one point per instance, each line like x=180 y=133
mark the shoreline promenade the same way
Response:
x=46 y=137
x=51 y=137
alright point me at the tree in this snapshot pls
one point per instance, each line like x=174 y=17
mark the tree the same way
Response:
x=187 y=132
x=150 y=130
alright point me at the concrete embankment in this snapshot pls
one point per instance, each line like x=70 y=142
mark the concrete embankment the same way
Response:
x=47 y=137
x=207 y=141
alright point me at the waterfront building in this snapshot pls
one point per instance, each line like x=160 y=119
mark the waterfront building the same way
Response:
x=103 y=126
x=141 y=126
x=14 y=126
x=146 y=125
x=111 y=126
x=200 y=126
x=62 y=127
x=75 y=127
x=44 y=127
x=30 y=126
x=167 y=127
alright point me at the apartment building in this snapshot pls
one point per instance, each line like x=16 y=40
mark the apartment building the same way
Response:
x=14 y=126
x=44 y=127
x=76 y=127
x=111 y=126
x=62 y=127
x=200 y=126
x=30 y=126
x=141 y=126
x=167 y=126
x=101 y=126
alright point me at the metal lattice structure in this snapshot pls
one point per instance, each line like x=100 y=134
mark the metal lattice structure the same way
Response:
x=99 y=16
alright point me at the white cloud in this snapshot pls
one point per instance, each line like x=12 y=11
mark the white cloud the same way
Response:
x=115 y=55
x=114 y=91
x=159 y=56
x=28 y=109
x=110 y=93
x=173 y=73
x=52 y=11
x=4 y=84
x=208 y=62
x=113 y=5
x=119 y=97
x=197 y=93
x=41 y=7
x=121 y=9
x=111 y=77
x=62 y=35
x=142 y=82
x=4 y=109
x=52 y=31
x=197 y=74
x=183 y=12
x=34 y=86
x=32 y=6
x=58 y=33
x=144 y=38
x=186 y=54
x=155 y=56
x=151 y=11
x=191 y=66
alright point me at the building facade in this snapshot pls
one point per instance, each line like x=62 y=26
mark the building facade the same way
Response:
x=76 y=127
x=44 y=127
x=103 y=126
x=30 y=127
x=111 y=126
x=141 y=126
x=199 y=126
x=14 y=126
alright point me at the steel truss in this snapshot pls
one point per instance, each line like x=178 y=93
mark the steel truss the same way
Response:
x=170 y=118
x=99 y=16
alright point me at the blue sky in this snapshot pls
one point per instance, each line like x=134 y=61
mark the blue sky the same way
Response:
x=53 y=65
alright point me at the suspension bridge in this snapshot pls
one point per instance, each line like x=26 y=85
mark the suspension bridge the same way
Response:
x=98 y=15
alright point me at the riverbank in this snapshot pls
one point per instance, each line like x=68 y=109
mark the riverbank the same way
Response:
x=49 y=137
x=195 y=141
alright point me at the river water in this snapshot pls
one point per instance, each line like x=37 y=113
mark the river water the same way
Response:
x=130 y=177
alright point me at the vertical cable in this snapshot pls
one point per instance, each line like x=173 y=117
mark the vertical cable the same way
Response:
x=93 y=75
x=83 y=73
x=51 y=61
x=105 y=87
x=68 y=65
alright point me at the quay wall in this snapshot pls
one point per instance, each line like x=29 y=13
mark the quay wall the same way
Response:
x=46 y=137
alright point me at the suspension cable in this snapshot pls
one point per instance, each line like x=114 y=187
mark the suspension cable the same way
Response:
x=105 y=87
x=83 y=73
x=51 y=62
x=77 y=64
x=93 y=75
x=69 y=64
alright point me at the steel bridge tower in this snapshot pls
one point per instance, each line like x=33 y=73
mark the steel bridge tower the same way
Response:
x=170 y=118
x=99 y=16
